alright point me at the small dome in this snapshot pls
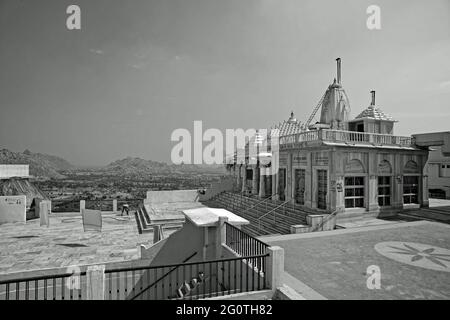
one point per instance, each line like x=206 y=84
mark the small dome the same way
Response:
x=374 y=112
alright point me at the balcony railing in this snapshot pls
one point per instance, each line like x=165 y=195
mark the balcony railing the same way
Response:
x=344 y=136
x=245 y=245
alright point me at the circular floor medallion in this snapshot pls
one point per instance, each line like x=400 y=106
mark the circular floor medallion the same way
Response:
x=416 y=254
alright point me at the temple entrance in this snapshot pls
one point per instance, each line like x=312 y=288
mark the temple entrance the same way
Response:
x=282 y=184
x=322 y=186
x=300 y=186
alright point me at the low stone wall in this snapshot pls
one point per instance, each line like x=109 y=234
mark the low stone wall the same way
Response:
x=287 y=293
x=13 y=209
x=171 y=196
x=315 y=222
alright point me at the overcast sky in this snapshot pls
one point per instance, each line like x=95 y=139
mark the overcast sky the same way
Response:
x=137 y=70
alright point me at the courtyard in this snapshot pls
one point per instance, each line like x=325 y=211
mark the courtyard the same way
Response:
x=413 y=259
x=27 y=247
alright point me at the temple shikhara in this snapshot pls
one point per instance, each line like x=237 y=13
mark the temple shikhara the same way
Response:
x=354 y=166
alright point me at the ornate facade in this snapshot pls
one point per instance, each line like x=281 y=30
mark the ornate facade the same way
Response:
x=353 y=166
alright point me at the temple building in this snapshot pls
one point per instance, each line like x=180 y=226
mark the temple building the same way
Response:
x=355 y=166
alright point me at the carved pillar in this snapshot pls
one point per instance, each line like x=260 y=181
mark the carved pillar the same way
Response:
x=425 y=200
x=372 y=192
x=262 y=182
x=308 y=181
x=289 y=180
x=244 y=177
x=238 y=177
x=255 y=181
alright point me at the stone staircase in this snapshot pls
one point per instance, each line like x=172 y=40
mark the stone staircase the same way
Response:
x=251 y=208
x=145 y=223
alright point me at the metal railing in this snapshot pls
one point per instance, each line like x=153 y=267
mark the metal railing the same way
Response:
x=274 y=213
x=162 y=278
x=260 y=202
x=191 y=280
x=243 y=244
x=52 y=287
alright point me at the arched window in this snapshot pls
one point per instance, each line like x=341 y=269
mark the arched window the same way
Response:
x=411 y=183
x=384 y=168
x=354 y=166
x=354 y=184
x=411 y=167
x=384 y=183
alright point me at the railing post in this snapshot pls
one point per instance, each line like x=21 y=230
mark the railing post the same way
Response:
x=82 y=205
x=221 y=235
x=95 y=282
x=275 y=267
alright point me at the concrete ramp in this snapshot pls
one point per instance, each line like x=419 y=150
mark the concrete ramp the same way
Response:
x=171 y=196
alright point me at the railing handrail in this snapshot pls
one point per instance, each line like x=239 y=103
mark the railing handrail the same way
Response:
x=260 y=202
x=282 y=204
x=327 y=218
x=246 y=234
x=43 y=277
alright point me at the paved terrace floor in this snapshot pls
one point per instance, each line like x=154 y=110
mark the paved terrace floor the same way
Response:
x=413 y=257
x=25 y=247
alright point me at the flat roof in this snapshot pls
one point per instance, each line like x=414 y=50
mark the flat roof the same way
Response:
x=206 y=217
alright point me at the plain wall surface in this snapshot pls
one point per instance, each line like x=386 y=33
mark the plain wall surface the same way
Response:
x=172 y=196
x=13 y=209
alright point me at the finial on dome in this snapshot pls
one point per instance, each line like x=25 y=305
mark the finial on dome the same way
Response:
x=291 y=118
x=373 y=97
x=338 y=60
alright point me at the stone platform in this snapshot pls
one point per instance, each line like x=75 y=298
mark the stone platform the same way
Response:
x=26 y=247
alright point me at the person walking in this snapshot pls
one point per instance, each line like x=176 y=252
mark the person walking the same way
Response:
x=126 y=208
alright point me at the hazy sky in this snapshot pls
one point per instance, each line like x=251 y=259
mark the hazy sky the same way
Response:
x=137 y=70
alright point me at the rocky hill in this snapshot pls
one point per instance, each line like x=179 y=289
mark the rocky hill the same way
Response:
x=129 y=166
x=41 y=165
x=132 y=166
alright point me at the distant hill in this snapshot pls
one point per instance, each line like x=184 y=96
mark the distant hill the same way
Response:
x=41 y=165
x=130 y=166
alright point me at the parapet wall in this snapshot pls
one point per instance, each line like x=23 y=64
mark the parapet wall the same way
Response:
x=171 y=196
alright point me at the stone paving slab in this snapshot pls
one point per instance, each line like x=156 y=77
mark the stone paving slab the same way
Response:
x=26 y=247
x=413 y=259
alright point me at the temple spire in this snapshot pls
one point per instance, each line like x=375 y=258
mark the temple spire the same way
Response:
x=338 y=60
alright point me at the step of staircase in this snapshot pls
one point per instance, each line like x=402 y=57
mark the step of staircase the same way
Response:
x=256 y=228
x=145 y=223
